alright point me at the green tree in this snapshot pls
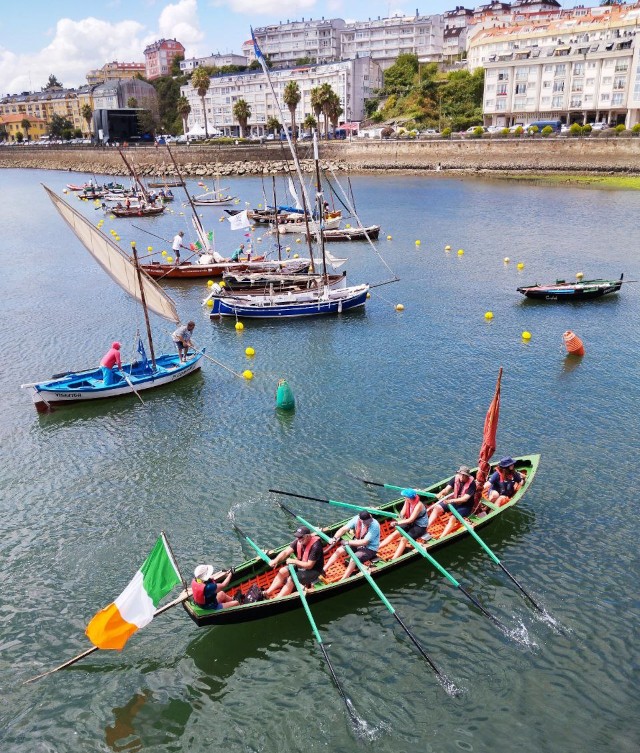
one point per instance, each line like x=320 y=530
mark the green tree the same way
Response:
x=200 y=81
x=334 y=110
x=461 y=98
x=184 y=108
x=399 y=78
x=310 y=122
x=77 y=133
x=242 y=113
x=147 y=122
x=26 y=124
x=132 y=102
x=316 y=102
x=19 y=137
x=87 y=114
x=174 y=69
x=273 y=124
x=304 y=61
x=3 y=133
x=292 y=99
x=326 y=95
x=52 y=83
x=58 y=126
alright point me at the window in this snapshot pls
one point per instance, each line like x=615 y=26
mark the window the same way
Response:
x=561 y=69
x=503 y=74
x=522 y=74
x=557 y=102
x=546 y=84
x=501 y=105
x=575 y=102
x=501 y=90
x=617 y=98
x=558 y=86
x=604 y=97
x=588 y=98
x=590 y=82
x=607 y=80
x=620 y=82
x=521 y=89
x=488 y=103
x=577 y=86
x=548 y=68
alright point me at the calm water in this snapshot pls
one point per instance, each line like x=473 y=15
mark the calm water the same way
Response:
x=396 y=397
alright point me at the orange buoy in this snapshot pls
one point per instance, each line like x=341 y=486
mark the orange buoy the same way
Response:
x=573 y=343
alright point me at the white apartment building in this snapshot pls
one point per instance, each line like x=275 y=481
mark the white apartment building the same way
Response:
x=456 y=25
x=386 y=38
x=352 y=80
x=285 y=43
x=579 y=67
x=212 y=61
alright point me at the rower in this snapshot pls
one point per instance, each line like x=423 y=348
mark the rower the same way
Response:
x=413 y=520
x=207 y=592
x=365 y=542
x=463 y=489
x=504 y=482
x=306 y=555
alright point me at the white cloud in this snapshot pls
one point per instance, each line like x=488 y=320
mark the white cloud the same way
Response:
x=180 y=21
x=278 y=8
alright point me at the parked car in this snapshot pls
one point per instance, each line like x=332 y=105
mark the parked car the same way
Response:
x=495 y=129
x=472 y=129
x=429 y=132
x=599 y=126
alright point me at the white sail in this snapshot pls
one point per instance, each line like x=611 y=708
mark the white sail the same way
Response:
x=114 y=261
x=292 y=191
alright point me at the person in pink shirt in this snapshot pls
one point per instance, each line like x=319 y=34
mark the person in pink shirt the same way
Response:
x=109 y=360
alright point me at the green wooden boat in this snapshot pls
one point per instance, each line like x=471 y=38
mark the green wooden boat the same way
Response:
x=256 y=572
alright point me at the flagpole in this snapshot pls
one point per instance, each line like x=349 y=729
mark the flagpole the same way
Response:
x=172 y=557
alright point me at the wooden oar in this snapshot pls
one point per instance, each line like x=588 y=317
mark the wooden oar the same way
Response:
x=451 y=579
x=213 y=360
x=428 y=495
x=130 y=383
x=335 y=503
x=183 y=597
x=373 y=585
x=469 y=528
x=303 y=599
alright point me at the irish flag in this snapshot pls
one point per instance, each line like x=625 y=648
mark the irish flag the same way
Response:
x=135 y=607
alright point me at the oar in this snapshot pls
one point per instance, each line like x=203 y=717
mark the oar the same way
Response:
x=372 y=510
x=318 y=637
x=428 y=495
x=253 y=545
x=213 y=360
x=130 y=383
x=183 y=597
x=469 y=528
x=451 y=579
x=373 y=585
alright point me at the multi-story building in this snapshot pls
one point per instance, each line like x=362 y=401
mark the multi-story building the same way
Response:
x=384 y=39
x=12 y=125
x=117 y=94
x=159 y=56
x=286 y=43
x=114 y=71
x=212 y=61
x=582 y=66
x=352 y=80
x=454 y=36
x=44 y=105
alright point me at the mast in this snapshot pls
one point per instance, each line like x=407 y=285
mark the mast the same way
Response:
x=135 y=176
x=273 y=179
x=136 y=264
x=320 y=202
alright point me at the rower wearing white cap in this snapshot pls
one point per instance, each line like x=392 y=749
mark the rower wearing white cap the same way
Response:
x=207 y=592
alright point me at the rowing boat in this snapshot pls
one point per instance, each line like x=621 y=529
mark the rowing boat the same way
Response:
x=256 y=572
x=583 y=290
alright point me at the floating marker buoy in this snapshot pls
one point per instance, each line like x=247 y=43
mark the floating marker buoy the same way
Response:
x=259 y=206
x=65 y=191
x=221 y=219
x=368 y=295
x=288 y=249
x=296 y=256
x=284 y=396
x=239 y=326
x=399 y=307
x=389 y=237
x=579 y=275
x=298 y=240
x=489 y=316
x=506 y=259
x=169 y=259
x=164 y=253
x=259 y=240
x=112 y=216
x=149 y=248
x=573 y=343
x=417 y=243
x=447 y=248
x=209 y=283
x=222 y=283
x=210 y=303
x=520 y=265
x=249 y=351
x=460 y=252
x=347 y=225
x=526 y=335
x=117 y=237
x=247 y=374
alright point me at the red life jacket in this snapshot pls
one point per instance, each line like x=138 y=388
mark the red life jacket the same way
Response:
x=197 y=588
x=360 y=531
x=409 y=506
x=460 y=488
x=304 y=555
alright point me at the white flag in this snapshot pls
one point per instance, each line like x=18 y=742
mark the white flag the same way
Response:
x=239 y=221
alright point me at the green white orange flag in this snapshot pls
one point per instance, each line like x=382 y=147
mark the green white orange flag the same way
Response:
x=135 y=607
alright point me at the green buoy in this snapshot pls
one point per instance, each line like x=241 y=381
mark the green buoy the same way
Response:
x=284 y=396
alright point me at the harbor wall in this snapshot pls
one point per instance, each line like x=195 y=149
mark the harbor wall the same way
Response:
x=611 y=154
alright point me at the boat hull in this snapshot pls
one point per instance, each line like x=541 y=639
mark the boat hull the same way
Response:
x=352 y=234
x=584 y=291
x=187 y=271
x=249 y=571
x=137 y=212
x=84 y=386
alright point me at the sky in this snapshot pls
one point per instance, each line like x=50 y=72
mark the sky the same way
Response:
x=70 y=37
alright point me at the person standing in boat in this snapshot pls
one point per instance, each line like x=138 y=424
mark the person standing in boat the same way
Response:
x=177 y=245
x=413 y=520
x=460 y=493
x=238 y=253
x=182 y=338
x=306 y=554
x=109 y=360
x=365 y=542
x=504 y=482
x=207 y=592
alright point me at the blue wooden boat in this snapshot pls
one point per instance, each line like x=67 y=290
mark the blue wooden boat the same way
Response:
x=582 y=290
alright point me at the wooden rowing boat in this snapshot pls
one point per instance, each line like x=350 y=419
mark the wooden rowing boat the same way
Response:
x=256 y=572
x=583 y=290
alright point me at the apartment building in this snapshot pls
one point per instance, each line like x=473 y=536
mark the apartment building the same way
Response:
x=159 y=56
x=212 y=61
x=44 y=105
x=581 y=66
x=114 y=71
x=456 y=24
x=352 y=80
x=116 y=95
x=12 y=126
x=286 y=43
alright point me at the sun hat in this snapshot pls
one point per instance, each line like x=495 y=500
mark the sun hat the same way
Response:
x=302 y=531
x=203 y=572
x=365 y=515
x=409 y=493
x=464 y=470
x=506 y=462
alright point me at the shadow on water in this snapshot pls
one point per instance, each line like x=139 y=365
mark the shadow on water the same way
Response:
x=570 y=363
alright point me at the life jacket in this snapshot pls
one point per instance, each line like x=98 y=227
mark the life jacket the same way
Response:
x=507 y=482
x=460 y=488
x=197 y=589
x=360 y=531
x=304 y=555
x=409 y=507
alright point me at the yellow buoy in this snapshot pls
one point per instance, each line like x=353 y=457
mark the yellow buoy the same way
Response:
x=520 y=265
x=112 y=216
x=489 y=316
x=259 y=206
x=288 y=249
x=221 y=219
x=388 y=237
x=247 y=374
x=447 y=248
x=117 y=237
x=169 y=259
x=65 y=191
x=460 y=252
x=222 y=283
x=526 y=335
x=250 y=351
x=149 y=248
x=164 y=253
x=368 y=295
x=210 y=303
x=296 y=256
x=133 y=243
x=239 y=326
x=506 y=259
x=417 y=243
x=347 y=225
x=209 y=283
x=399 y=307
x=579 y=275
x=299 y=240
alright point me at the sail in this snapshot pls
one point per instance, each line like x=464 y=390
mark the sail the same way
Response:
x=294 y=195
x=114 y=261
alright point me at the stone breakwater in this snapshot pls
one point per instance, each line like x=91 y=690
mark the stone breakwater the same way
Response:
x=613 y=155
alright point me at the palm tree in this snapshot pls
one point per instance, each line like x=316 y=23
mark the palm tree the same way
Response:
x=310 y=123
x=242 y=113
x=334 y=111
x=273 y=124
x=200 y=81
x=87 y=114
x=325 y=95
x=292 y=99
x=316 y=101
x=184 y=108
x=26 y=124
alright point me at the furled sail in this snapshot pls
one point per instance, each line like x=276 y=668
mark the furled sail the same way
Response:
x=114 y=261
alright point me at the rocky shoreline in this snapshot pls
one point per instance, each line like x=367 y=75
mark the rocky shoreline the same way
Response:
x=612 y=156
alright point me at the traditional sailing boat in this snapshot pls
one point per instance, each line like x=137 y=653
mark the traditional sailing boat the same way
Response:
x=79 y=386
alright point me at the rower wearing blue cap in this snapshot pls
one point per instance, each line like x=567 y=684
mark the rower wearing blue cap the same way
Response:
x=413 y=520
